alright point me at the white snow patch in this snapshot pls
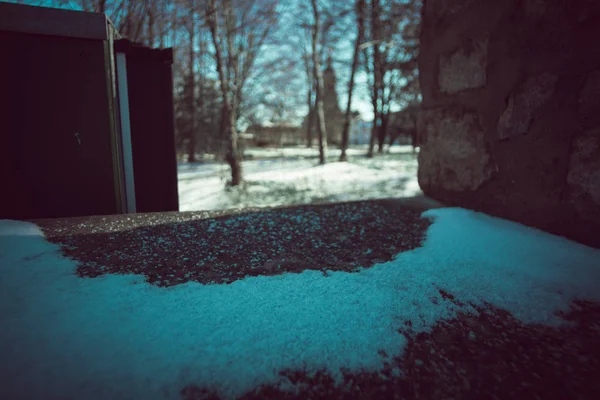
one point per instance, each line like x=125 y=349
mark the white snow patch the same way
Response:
x=303 y=151
x=17 y=228
x=118 y=337
x=289 y=176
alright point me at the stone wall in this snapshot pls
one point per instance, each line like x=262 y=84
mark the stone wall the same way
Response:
x=510 y=118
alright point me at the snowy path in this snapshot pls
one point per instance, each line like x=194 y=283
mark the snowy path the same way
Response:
x=292 y=176
x=119 y=337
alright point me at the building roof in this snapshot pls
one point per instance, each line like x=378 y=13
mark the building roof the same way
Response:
x=56 y=22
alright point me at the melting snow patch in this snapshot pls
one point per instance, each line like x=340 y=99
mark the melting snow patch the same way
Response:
x=105 y=338
x=289 y=181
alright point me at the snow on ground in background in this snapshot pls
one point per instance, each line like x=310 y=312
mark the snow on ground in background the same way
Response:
x=303 y=151
x=117 y=337
x=292 y=176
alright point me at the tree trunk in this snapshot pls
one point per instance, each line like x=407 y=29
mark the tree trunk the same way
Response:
x=374 y=131
x=192 y=133
x=382 y=133
x=310 y=120
x=174 y=26
x=321 y=129
x=355 y=58
x=228 y=121
x=318 y=73
x=150 y=24
x=200 y=106
x=414 y=134
x=232 y=155
x=377 y=81
x=192 y=106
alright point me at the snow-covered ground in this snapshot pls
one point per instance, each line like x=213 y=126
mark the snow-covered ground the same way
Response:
x=290 y=176
x=118 y=337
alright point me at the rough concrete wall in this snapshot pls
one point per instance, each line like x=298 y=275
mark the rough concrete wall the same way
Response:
x=510 y=118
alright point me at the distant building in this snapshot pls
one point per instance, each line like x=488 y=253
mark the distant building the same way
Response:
x=360 y=132
x=274 y=135
x=334 y=117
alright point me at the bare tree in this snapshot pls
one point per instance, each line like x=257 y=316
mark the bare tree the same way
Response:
x=390 y=56
x=93 y=5
x=238 y=34
x=360 y=6
x=159 y=22
x=135 y=20
x=310 y=84
x=374 y=65
x=192 y=10
x=332 y=31
x=281 y=89
x=318 y=74
x=152 y=14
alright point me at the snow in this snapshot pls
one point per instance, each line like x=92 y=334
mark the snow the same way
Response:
x=117 y=337
x=303 y=151
x=290 y=176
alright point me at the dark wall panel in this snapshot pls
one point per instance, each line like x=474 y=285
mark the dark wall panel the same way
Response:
x=149 y=80
x=54 y=88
